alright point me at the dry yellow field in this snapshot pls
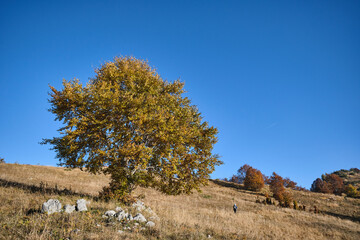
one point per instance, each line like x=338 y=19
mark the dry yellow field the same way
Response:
x=205 y=215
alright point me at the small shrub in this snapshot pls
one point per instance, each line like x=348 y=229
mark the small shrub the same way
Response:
x=287 y=199
x=296 y=207
x=351 y=191
x=2 y=160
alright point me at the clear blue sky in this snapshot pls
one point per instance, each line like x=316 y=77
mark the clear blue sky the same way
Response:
x=279 y=79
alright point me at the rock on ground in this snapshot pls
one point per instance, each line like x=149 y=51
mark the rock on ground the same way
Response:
x=69 y=208
x=121 y=215
x=139 y=206
x=110 y=213
x=51 y=206
x=140 y=218
x=81 y=205
x=150 y=224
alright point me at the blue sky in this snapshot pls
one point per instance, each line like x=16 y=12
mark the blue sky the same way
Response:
x=279 y=79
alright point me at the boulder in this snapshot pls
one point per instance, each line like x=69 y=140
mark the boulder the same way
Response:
x=121 y=215
x=140 y=218
x=110 y=213
x=51 y=206
x=150 y=224
x=81 y=205
x=69 y=208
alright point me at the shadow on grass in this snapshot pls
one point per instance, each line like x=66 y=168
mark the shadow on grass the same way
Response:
x=351 y=218
x=43 y=188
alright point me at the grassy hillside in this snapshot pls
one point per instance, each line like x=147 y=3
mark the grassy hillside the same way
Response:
x=351 y=176
x=23 y=188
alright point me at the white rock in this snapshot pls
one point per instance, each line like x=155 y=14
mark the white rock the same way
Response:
x=51 y=206
x=69 y=208
x=154 y=218
x=81 y=205
x=118 y=209
x=121 y=215
x=140 y=218
x=129 y=217
x=120 y=231
x=139 y=206
x=150 y=224
x=110 y=213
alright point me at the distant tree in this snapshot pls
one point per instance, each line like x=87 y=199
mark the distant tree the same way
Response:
x=253 y=180
x=277 y=187
x=2 y=160
x=131 y=124
x=335 y=183
x=266 y=179
x=241 y=172
x=235 y=179
x=320 y=186
x=289 y=183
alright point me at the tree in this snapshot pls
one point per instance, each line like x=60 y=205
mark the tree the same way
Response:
x=241 y=173
x=335 y=183
x=330 y=183
x=254 y=179
x=277 y=186
x=320 y=186
x=288 y=183
x=131 y=124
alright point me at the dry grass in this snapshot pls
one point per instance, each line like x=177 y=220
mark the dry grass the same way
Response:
x=181 y=217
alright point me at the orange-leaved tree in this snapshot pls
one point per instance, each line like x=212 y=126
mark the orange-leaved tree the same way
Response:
x=131 y=124
x=254 y=179
x=277 y=186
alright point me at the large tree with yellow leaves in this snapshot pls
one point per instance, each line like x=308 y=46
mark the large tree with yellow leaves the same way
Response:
x=131 y=124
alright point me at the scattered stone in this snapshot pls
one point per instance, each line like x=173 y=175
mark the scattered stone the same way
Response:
x=154 y=218
x=76 y=230
x=140 y=218
x=81 y=205
x=209 y=236
x=139 y=206
x=130 y=218
x=51 y=206
x=120 y=231
x=110 y=213
x=98 y=225
x=118 y=209
x=150 y=224
x=121 y=215
x=69 y=208
x=136 y=224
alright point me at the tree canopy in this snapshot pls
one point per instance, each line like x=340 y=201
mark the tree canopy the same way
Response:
x=130 y=123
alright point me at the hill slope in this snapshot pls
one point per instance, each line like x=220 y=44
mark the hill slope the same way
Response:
x=351 y=176
x=23 y=188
